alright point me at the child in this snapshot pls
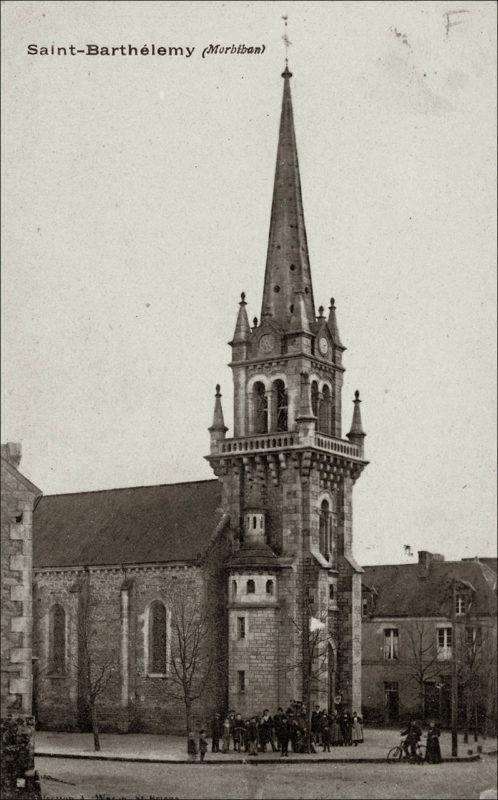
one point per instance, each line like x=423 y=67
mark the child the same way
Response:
x=203 y=744
x=226 y=736
x=357 y=730
x=325 y=734
x=191 y=747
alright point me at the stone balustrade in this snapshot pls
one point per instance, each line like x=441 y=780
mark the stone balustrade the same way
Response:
x=287 y=440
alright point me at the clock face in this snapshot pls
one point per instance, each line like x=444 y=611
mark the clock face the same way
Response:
x=266 y=343
x=323 y=346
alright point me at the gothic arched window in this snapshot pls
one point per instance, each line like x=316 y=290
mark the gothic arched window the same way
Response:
x=250 y=587
x=324 y=538
x=314 y=398
x=157 y=638
x=58 y=639
x=325 y=418
x=281 y=405
x=260 y=408
x=269 y=587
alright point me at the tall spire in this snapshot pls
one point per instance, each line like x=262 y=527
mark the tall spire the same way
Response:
x=287 y=261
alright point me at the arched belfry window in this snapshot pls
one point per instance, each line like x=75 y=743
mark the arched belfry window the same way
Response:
x=58 y=639
x=250 y=586
x=325 y=417
x=325 y=535
x=157 y=638
x=314 y=398
x=269 y=587
x=260 y=408
x=281 y=405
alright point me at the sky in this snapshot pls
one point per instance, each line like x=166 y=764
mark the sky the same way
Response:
x=136 y=208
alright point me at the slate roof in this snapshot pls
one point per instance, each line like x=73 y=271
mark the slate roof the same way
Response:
x=170 y=522
x=252 y=556
x=492 y=563
x=401 y=591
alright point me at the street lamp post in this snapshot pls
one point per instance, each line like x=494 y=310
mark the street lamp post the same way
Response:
x=454 y=673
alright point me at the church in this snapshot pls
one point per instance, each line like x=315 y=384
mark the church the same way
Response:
x=265 y=547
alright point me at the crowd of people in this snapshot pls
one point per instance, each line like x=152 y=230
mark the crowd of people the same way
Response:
x=292 y=728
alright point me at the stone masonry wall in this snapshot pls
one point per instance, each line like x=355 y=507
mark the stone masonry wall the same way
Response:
x=18 y=776
x=134 y=700
x=16 y=618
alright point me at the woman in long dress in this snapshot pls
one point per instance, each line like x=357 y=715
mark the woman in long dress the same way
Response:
x=357 y=732
x=433 y=749
x=335 y=731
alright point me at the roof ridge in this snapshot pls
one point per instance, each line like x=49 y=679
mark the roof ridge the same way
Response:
x=127 y=488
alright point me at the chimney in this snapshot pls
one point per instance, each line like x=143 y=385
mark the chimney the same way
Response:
x=425 y=559
x=12 y=453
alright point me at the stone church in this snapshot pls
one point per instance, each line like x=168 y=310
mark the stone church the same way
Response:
x=266 y=545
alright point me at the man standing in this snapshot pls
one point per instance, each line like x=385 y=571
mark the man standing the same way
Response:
x=277 y=721
x=284 y=735
x=216 y=732
x=239 y=731
x=266 y=731
x=315 y=725
x=252 y=736
x=413 y=735
x=231 y=719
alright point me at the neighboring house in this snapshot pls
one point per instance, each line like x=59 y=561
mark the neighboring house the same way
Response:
x=265 y=544
x=19 y=497
x=409 y=640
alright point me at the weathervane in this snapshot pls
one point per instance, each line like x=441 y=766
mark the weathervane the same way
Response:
x=286 y=40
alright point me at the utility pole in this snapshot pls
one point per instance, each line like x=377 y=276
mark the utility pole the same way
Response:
x=454 y=673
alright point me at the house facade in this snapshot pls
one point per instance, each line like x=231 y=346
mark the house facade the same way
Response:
x=416 y=619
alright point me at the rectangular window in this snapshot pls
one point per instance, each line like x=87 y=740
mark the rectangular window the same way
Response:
x=242 y=680
x=473 y=636
x=460 y=604
x=444 y=641
x=390 y=644
x=241 y=627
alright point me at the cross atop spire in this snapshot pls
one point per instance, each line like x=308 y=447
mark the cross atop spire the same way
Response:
x=287 y=261
x=287 y=42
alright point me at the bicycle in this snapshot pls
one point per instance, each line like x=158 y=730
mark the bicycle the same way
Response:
x=398 y=753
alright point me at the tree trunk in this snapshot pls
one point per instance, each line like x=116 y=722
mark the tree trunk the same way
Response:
x=467 y=720
x=95 y=727
x=422 y=700
x=188 y=715
x=476 y=722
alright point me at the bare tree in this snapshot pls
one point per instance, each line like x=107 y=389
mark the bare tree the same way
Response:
x=476 y=668
x=313 y=662
x=422 y=657
x=193 y=656
x=98 y=661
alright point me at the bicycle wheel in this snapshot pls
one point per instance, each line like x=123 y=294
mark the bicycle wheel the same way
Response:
x=395 y=753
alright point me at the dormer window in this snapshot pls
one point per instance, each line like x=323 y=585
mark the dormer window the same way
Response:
x=460 y=604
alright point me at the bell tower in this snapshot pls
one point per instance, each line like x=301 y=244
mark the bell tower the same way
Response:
x=287 y=477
